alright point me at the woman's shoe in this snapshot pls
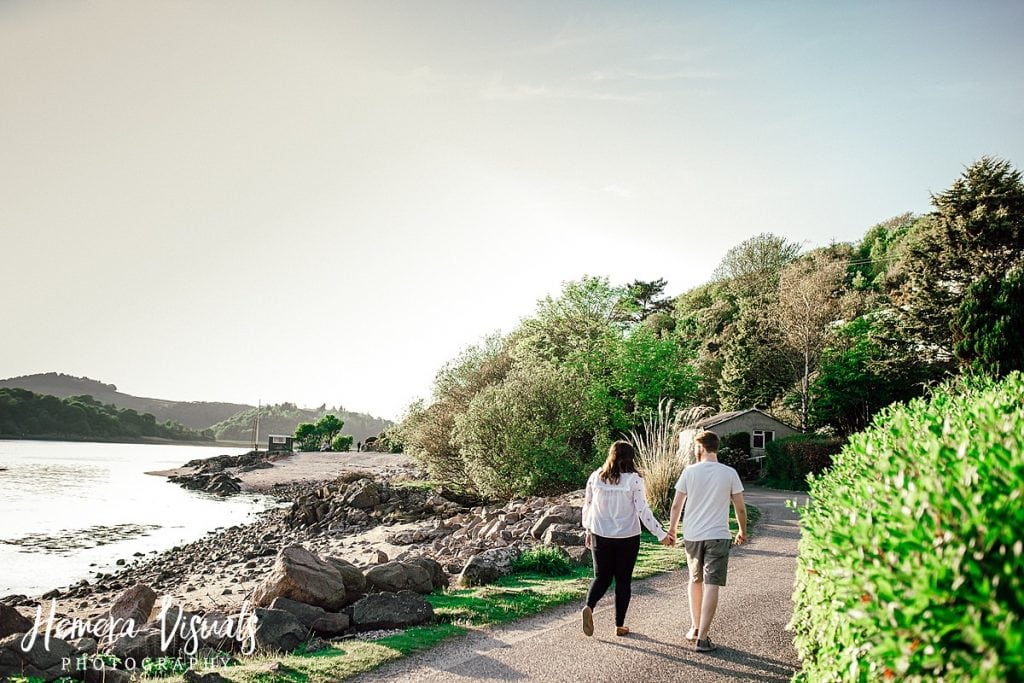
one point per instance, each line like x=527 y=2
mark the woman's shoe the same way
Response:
x=588 y=621
x=691 y=635
x=621 y=630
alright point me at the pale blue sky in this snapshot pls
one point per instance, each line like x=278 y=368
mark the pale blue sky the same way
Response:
x=400 y=179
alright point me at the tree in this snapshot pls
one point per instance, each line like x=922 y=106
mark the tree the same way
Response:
x=988 y=326
x=809 y=296
x=975 y=233
x=753 y=267
x=642 y=298
x=756 y=368
x=307 y=437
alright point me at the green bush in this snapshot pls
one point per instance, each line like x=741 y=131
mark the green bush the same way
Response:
x=547 y=560
x=788 y=461
x=738 y=460
x=911 y=562
x=738 y=441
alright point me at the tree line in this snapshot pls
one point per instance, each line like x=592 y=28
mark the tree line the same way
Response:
x=822 y=339
x=26 y=414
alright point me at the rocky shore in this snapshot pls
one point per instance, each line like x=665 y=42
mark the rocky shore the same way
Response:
x=337 y=557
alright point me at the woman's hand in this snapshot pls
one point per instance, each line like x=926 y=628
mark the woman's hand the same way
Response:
x=668 y=540
x=587 y=542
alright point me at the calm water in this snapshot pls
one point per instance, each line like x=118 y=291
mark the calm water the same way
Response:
x=68 y=510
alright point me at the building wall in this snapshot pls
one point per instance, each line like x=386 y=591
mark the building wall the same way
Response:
x=748 y=422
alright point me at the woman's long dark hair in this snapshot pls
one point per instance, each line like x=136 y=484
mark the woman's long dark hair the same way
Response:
x=620 y=461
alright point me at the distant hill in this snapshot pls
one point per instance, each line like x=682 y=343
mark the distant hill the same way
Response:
x=192 y=414
x=283 y=418
x=229 y=421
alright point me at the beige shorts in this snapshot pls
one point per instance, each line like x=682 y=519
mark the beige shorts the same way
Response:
x=708 y=560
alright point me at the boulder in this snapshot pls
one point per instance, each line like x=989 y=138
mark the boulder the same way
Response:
x=363 y=494
x=488 y=567
x=192 y=676
x=438 y=577
x=564 y=535
x=13 y=621
x=538 y=529
x=105 y=674
x=355 y=582
x=136 y=603
x=278 y=631
x=579 y=555
x=300 y=575
x=391 y=610
x=400 y=576
x=322 y=622
x=38 y=662
x=146 y=643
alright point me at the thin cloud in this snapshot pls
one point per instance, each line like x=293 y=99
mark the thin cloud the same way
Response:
x=498 y=89
x=619 y=191
x=677 y=75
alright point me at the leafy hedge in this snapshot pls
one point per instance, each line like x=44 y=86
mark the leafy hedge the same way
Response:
x=911 y=563
x=788 y=461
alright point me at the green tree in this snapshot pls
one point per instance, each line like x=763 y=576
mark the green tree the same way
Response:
x=752 y=268
x=975 y=233
x=757 y=369
x=988 y=326
x=307 y=437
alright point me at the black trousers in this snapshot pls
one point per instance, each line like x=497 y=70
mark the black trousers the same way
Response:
x=614 y=558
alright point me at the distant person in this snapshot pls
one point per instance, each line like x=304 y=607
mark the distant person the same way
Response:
x=613 y=507
x=359 y=446
x=705 y=489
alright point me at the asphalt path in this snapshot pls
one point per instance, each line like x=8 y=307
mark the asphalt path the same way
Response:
x=749 y=627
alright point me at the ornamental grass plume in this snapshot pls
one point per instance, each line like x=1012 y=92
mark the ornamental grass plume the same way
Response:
x=659 y=456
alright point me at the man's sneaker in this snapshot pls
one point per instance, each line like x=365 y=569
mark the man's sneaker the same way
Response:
x=588 y=621
x=691 y=635
x=705 y=645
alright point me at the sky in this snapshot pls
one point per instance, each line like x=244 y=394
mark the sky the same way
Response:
x=323 y=202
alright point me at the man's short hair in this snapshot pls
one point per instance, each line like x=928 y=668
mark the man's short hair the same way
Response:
x=709 y=440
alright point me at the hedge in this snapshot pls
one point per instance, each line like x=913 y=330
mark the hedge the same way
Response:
x=789 y=461
x=910 y=564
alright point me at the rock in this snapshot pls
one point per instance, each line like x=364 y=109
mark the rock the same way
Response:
x=300 y=575
x=438 y=577
x=146 y=643
x=105 y=674
x=400 y=576
x=363 y=494
x=321 y=622
x=355 y=581
x=12 y=621
x=192 y=676
x=278 y=631
x=136 y=603
x=538 y=529
x=564 y=534
x=391 y=610
x=38 y=662
x=487 y=567
x=579 y=556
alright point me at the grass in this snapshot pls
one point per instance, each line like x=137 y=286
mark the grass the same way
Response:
x=457 y=611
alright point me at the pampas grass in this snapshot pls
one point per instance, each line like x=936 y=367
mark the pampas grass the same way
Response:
x=659 y=456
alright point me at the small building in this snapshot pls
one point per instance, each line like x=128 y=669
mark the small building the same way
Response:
x=762 y=427
x=280 y=443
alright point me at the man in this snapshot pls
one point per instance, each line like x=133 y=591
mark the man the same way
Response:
x=706 y=488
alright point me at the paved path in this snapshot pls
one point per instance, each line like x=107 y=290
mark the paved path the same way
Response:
x=749 y=627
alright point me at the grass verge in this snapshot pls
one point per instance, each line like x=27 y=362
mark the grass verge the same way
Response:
x=457 y=611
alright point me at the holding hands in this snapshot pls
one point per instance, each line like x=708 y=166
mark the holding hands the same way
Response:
x=669 y=539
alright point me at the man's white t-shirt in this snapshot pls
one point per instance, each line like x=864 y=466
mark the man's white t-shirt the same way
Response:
x=709 y=487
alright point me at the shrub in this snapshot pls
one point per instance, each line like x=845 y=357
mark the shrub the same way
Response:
x=738 y=441
x=911 y=563
x=547 y=560
x=738 y=460
x=342 y=443
x=788 y=461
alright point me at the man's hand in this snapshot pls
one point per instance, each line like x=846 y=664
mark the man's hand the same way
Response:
x=741 y=538
x=669 y=540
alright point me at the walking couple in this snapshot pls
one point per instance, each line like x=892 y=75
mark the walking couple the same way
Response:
x=614 y=507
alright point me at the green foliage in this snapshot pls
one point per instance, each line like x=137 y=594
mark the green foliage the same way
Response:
x=911 y=564
x=325 y=431
x=284 y=418
x=738 y=460
x=26 y=414
x=158 y=667
x=789 y=461
x=546 y=560
x=737 y=441
x=975 y=233
x=531 y=434
x=988 y=326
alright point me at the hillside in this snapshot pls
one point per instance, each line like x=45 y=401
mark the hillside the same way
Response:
x=285 y=417
x=192 y=414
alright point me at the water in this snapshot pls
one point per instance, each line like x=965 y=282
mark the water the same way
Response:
x=68 y=510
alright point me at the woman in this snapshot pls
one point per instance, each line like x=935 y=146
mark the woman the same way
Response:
x=612 y=511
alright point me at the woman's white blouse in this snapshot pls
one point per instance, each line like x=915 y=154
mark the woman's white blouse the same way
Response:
x=616 y=510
